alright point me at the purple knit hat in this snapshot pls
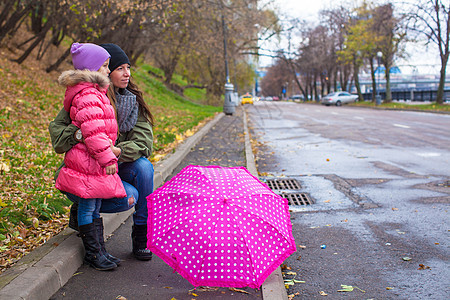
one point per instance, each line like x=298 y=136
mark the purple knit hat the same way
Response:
x=88 y=56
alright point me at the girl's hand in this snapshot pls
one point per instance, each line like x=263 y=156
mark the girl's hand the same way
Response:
x=111 y=169
x=115 y=150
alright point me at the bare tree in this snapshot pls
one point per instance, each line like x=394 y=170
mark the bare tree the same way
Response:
x=277 y=75
x=391 y=35
x=431 y=19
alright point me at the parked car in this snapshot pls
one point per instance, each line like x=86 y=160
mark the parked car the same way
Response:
x=339 y=98
x=297 y=97
x=268 y=98
x=275 y=98
x=247 y=98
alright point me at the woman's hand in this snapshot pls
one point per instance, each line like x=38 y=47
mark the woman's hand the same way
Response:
x=115 y=150
x=111 y=169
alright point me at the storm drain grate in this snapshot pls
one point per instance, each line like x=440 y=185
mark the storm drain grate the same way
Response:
x=297 y=198
x=283 y=184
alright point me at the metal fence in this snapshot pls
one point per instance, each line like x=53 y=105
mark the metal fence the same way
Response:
x=411 y=95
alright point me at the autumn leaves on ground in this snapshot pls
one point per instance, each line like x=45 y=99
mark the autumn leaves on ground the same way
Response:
x=31 y=209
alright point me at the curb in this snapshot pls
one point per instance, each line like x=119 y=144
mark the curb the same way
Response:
x=273 y=287
x=38 y=275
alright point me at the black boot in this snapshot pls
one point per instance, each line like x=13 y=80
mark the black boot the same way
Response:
x=73 y=217
x=139 y=238
x=99 y=227
x=93 y=257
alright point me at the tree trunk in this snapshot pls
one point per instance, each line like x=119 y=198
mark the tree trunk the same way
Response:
x=358 y=86
x=335 y=80
x=294 y=74
x=388 y=85
x=40 y=38
x=440 y=91
x=37 y=14
x=374 y=82
x=316 y=96
x=58 y=62
x=12 y=21
x=5 y=12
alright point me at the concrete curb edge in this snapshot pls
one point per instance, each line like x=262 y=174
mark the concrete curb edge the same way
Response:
x=273 y=287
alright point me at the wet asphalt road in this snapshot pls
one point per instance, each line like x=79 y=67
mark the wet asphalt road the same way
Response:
x=379 y=183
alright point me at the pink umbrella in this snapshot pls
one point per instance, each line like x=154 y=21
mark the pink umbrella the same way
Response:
x=219 y=227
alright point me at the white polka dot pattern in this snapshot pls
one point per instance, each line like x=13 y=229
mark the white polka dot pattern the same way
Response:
x=219 y=226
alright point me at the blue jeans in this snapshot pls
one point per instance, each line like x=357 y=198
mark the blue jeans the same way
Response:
x=88 y=209
x=137 y=179
x=139 y=174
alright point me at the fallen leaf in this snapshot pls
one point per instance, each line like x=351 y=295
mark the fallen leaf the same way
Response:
x=389 y=288
x=302 y=247
x=207 y=289
x=322 y=293
x=238 y=290
x=349 y=288
x=394 y=208
x=327 y=201
x=120 y=297
x=189 y=133
x=406 y=258
x=423 y=267
x=291 y=273
x=4 y=168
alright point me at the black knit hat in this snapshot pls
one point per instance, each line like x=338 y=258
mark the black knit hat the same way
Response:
x=118 y=56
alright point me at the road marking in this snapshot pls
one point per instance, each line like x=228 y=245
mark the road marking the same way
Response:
x=430 y=154
x=334 y=113
x=359 y=118
x=402 y=126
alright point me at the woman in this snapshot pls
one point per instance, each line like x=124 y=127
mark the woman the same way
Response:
x=133 y=147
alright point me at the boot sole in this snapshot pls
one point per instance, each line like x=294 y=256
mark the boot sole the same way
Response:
x=145 y=258
x=100 y=269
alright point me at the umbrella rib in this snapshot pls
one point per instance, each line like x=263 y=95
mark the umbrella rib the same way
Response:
x=268 y=221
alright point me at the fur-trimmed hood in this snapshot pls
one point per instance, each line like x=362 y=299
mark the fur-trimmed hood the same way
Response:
x=74 y=77
x=76 y=81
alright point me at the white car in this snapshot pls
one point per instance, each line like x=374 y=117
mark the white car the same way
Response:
x=339 y=98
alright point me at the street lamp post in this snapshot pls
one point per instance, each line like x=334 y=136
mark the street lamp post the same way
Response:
x=228 y=104
x=378 y=97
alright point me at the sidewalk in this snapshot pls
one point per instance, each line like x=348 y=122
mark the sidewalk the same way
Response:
x=55 y=270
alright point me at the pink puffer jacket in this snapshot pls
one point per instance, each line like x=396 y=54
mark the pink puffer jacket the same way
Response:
x=84 y=173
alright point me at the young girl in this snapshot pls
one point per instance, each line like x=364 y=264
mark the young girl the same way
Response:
x=90 y=170
x=132 y=149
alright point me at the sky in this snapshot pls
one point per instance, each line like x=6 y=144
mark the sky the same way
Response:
x=425 y=60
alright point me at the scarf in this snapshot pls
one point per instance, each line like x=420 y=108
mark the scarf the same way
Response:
x=127 y=110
